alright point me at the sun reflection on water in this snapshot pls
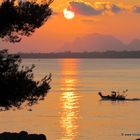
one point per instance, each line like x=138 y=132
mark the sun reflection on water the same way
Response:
x=70 y=102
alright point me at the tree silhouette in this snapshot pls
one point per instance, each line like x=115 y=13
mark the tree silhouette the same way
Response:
x=17 y=85
x=21 y=18
x=17 y=19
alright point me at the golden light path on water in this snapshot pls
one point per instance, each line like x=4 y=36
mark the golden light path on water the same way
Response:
x=70 y=100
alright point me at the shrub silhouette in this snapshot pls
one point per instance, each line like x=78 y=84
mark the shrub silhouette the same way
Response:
x=17 y=85
x=20 y=18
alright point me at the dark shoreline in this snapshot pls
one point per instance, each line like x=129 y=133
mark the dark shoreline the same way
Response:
x=83 y=55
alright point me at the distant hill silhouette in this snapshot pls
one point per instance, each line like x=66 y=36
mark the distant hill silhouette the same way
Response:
x=100 y=42
x=134 y=45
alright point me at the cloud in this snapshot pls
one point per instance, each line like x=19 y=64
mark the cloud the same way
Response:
x=115 y=9
x=136 y=9
x=95 y=9
x=84 y=8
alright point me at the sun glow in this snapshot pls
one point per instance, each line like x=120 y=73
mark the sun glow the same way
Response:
x=68 y=14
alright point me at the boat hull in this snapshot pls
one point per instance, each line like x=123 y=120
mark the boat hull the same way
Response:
x=113 y=98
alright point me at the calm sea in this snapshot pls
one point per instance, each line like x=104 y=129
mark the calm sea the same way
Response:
x=73 y=110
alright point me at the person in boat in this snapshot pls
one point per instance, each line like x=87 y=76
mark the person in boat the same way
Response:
x=113 y=94
x=120 y=96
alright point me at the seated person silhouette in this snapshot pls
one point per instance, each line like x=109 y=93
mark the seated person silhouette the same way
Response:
x=113 y=94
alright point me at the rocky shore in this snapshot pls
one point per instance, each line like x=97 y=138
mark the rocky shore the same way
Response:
x=23 y=135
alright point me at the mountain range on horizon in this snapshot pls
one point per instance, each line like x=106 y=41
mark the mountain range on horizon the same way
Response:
x=100 y=42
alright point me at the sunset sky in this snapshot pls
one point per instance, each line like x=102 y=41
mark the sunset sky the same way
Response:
x=119 y=18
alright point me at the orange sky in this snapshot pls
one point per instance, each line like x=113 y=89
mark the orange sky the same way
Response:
x=122 y=21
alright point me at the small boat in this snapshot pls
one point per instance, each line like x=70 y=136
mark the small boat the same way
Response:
x=112 y=97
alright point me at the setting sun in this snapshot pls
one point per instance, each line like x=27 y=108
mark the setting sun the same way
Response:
x=68 y=14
